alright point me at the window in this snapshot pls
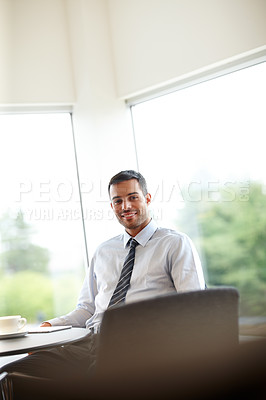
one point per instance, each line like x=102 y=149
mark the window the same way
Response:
x=203 y=150
x=42 y=248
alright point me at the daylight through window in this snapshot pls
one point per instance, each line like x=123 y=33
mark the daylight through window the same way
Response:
x=203 y=147
x=41 y=235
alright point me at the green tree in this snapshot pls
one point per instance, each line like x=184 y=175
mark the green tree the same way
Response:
x=28 y=293
x=18 y=252
x=25 y=286
x=231 y=233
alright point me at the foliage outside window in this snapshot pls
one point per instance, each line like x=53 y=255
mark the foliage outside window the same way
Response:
x=232 y=236
x=203 y=148
x=41 y=236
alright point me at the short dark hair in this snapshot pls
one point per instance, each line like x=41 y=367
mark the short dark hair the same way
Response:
x=126 y=176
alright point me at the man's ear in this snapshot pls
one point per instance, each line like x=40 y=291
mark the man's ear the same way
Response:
x=148 y=198
x=111 y=204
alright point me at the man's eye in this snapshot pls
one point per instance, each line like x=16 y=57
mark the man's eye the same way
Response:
x=133 y=197
x=116 y=202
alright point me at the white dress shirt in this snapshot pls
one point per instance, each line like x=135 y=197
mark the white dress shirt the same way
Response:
x=166 y=261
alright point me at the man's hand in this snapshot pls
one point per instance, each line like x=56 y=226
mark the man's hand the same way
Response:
x=45 y=324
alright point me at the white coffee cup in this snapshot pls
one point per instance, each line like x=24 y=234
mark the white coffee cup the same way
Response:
x=12 y=323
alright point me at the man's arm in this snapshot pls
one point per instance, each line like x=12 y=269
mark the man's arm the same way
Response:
x=185 y=266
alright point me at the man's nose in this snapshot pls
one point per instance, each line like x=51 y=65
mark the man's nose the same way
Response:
x=126 y=204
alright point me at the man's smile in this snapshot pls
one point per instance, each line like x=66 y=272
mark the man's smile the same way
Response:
x=128 y=215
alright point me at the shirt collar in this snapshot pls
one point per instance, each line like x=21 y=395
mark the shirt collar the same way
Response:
x=144 y=235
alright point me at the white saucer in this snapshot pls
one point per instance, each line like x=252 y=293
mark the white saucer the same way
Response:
x=13 y=334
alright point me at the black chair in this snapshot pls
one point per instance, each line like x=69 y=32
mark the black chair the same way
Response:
x=238 y=374
x=181 y=346
x=26 y=387
x=148 y=348
x=5 y=387
x=168 y=330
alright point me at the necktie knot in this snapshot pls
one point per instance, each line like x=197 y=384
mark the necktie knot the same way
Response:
x=132 y=243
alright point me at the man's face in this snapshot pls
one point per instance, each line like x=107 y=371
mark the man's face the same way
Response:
x=130 y=205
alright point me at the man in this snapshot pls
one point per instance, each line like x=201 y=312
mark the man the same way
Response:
x=164 y=261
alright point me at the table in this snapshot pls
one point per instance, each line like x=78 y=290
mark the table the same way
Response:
x=40 y=341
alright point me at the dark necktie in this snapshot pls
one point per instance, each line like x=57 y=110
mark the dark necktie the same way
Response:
x=122 y=287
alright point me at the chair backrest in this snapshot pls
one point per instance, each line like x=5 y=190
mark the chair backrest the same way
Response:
x=167 y=330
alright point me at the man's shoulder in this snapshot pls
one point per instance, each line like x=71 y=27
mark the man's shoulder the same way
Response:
x=169 y=233
x=168 y=238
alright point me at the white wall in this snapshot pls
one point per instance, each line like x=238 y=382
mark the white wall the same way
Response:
x=156 y=41
x=101 y=121
x=58 y=52
x=35 y=61
x=150 y=43
x=91 y=53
